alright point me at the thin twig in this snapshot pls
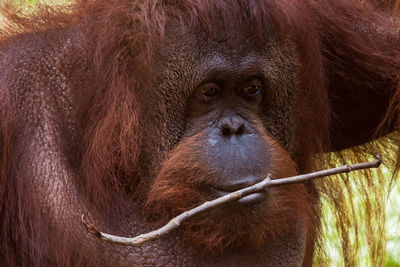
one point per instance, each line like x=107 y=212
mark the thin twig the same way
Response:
x=267 y=182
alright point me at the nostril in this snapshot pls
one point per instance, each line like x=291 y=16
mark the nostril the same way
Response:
x=240 y=131
x=232 y=126
x=226 y=130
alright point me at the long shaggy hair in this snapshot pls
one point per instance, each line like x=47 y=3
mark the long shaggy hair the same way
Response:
x=336 y=57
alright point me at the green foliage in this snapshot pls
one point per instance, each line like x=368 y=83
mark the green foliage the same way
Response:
x=331 y=239
x=393 y=228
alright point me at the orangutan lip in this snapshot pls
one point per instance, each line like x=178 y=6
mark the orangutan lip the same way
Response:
x=253 y=198
x=238 y=184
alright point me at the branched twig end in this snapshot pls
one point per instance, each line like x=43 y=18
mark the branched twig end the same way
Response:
x=90 y=227
x=378 y=158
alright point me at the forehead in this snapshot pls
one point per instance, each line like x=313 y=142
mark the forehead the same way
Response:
x=201 y=55
x=224 y=39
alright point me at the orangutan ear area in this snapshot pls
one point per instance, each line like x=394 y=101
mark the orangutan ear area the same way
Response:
x=192 y=132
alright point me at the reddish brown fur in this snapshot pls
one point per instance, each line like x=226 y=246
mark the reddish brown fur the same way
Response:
x=175 y=190
x=112 y=146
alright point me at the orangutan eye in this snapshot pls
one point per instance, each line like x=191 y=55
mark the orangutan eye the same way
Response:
x=209 y=91
x=251 y=89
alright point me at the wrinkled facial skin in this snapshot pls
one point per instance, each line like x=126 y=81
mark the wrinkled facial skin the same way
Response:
x=235 y=121
x=187 y=67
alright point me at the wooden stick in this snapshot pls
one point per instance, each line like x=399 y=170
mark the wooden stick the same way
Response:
x=267 y=182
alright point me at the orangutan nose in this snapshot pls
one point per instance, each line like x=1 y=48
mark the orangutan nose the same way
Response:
x=232 y=125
